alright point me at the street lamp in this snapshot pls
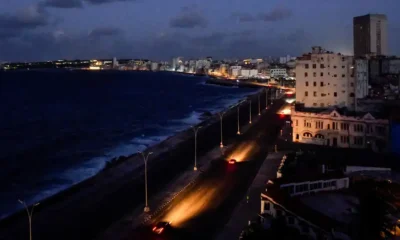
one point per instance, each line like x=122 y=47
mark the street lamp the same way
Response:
x=250 y=112
x=145 y=158
x=238 y=119
x=195 y=146
x=259 y=108
x=30 y=213
x=221 y=115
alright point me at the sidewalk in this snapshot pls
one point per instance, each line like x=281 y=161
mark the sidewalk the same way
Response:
x=158 y=202
x=247 y=211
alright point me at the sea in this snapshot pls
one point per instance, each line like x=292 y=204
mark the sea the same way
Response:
x=60 y=127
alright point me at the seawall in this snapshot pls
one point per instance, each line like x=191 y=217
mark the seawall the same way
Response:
x=230 y=82
x=97 y=202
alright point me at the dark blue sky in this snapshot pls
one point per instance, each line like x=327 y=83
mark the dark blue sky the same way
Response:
x=161 y=29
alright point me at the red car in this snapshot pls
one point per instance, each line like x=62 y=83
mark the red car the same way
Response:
x=232 y=161
x=160 y=227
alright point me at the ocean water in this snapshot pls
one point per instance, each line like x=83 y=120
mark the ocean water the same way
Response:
x=59 y=127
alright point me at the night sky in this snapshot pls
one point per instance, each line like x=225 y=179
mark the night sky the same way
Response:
x=160 y=29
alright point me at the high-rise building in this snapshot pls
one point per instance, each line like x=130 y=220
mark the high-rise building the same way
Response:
x=370 y=35
x=325 y=79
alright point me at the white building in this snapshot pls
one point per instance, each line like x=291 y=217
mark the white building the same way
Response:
x=114 y=62
x=176 y=63
x=154 y=66
x=284 y=60
x=278 y=201
x=278 y=72
x=203 y=63
x=325 y=79
x=235 y=71
x=248 y=73
x=340 y=128
x=361 y=78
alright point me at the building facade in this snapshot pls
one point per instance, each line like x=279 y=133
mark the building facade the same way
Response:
x=361 y=78
x=370 y=35
x=324 y=79
x=278 y=72
x=338 y=128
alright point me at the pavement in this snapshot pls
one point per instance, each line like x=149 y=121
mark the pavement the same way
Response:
x=246 y=211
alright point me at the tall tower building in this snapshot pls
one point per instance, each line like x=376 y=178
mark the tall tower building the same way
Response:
x=370 y=35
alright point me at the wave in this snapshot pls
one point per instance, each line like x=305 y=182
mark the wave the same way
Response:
x=61 y=180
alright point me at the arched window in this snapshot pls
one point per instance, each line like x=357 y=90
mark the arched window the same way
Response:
x=307 y=134
x=319 y=136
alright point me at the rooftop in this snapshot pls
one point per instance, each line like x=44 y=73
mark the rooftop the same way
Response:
x=342 y=111
x=336 y=205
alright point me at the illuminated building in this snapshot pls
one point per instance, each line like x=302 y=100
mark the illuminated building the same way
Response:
x=339 y=127
x=370 y=35
x=324 y=79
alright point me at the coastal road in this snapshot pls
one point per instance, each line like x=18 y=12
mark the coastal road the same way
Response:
x=200 y=211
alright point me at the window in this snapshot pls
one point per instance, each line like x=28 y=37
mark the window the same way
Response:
x=305 y=74
x=343 y=59
x=306 y=66
x=315 y=84
x=335 y=94
x=314 y=104
x=323 y=94
x=306 y=93
x=322 y=66
x=314 y=74
x=343 y=75
x=321 y=74
x=322 y=105
x=322 y=58
x=351 y=94
x=315 y=94
x=314 y=66
x=344 y=126
x=307 y=84
x=380 y=130
x=352 y=84
x=307 y=124
x=267 y=206
x=322 y=84
x=297 y=137
x=343 y=66
x=335 y=126
x=319 y=125
x=344 y=139
x=358 y=141
x=329 y=126
x=297 y=122
x=358 y=127
x=334 y=75
x=334 y=66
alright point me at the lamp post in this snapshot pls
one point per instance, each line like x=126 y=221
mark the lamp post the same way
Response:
x=259 y=106
x=145 y=158
x=30 y=213
x=250 y=112
x=195 y=130
x=238 y=119
x=221 y=115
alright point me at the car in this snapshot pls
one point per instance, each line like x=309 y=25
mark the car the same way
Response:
x=160 y=227
x=232 y=161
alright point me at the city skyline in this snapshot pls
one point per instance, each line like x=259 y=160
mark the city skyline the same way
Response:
x=58 y=29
